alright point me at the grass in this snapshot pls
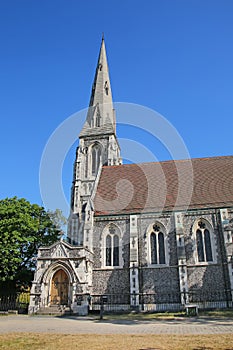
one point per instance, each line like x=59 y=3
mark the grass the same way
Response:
x=157 y=315
x=165 y=315
x=26 y=341
x=142 y=315
x=217 y=313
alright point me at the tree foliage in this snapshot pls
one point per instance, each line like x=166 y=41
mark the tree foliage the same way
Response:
x=24 y=227
x=57 y=218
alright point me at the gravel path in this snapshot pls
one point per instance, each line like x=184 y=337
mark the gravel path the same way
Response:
x=78 y=325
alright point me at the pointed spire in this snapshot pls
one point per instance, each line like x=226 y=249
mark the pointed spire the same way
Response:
x=101 y=90
x=101 y=112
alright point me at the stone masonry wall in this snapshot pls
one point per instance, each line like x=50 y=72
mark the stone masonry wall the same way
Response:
x=115 y=281
x=205 y=278
x=161 y=280
x=110 y=280
x=99 y=227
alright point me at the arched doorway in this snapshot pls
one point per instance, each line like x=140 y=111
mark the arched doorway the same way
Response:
x=59 y=288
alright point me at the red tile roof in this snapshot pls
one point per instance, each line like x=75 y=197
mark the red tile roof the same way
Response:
x=169 y=185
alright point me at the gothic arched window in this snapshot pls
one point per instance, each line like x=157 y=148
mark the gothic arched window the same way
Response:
x=97 y=120
x=200 y=250
x=112 y=246
x=153 y=248
x=108 y=250
x=203 y=242
x=115 y=250
x=157 y=246
x=96 y=154
x=86 y=162
x=161 y=248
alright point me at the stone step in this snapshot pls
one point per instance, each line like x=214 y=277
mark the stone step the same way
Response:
x=55 y=310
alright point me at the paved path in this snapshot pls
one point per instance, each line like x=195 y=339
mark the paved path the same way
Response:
x=77 y=325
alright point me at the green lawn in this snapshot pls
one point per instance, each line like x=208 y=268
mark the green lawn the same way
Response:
x=115 y=342
x=167 y=315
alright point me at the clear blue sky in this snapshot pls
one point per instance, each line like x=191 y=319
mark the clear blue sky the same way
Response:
x=174 y=56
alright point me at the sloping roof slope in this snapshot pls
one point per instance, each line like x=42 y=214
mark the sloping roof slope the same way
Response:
x=169 y=185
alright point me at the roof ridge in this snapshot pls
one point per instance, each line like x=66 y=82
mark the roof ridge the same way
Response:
x=170 y=161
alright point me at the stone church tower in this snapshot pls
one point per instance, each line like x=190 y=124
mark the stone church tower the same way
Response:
x=98 y=146
x=63 y=276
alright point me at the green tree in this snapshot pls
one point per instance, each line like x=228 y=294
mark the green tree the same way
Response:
x=24 y=227
x=58 y=219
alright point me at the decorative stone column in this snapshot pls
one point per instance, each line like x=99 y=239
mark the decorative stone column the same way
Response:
x=134 y=279
x=227 y=230
x=182 y=262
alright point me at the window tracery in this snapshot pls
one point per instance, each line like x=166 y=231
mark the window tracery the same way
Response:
x=203 y=242
x=157 y=245
x=112 y=249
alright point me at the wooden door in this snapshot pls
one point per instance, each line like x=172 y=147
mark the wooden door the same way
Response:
x=59 y=288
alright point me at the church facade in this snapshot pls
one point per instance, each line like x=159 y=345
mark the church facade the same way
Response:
x=150 y=236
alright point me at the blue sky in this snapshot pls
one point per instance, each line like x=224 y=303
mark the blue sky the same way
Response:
x=173 y=56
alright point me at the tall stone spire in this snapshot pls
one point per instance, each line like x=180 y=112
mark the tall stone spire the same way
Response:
x=98 y=146
x=101 y=115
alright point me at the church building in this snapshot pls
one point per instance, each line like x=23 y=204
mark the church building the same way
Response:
x=150 y=236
